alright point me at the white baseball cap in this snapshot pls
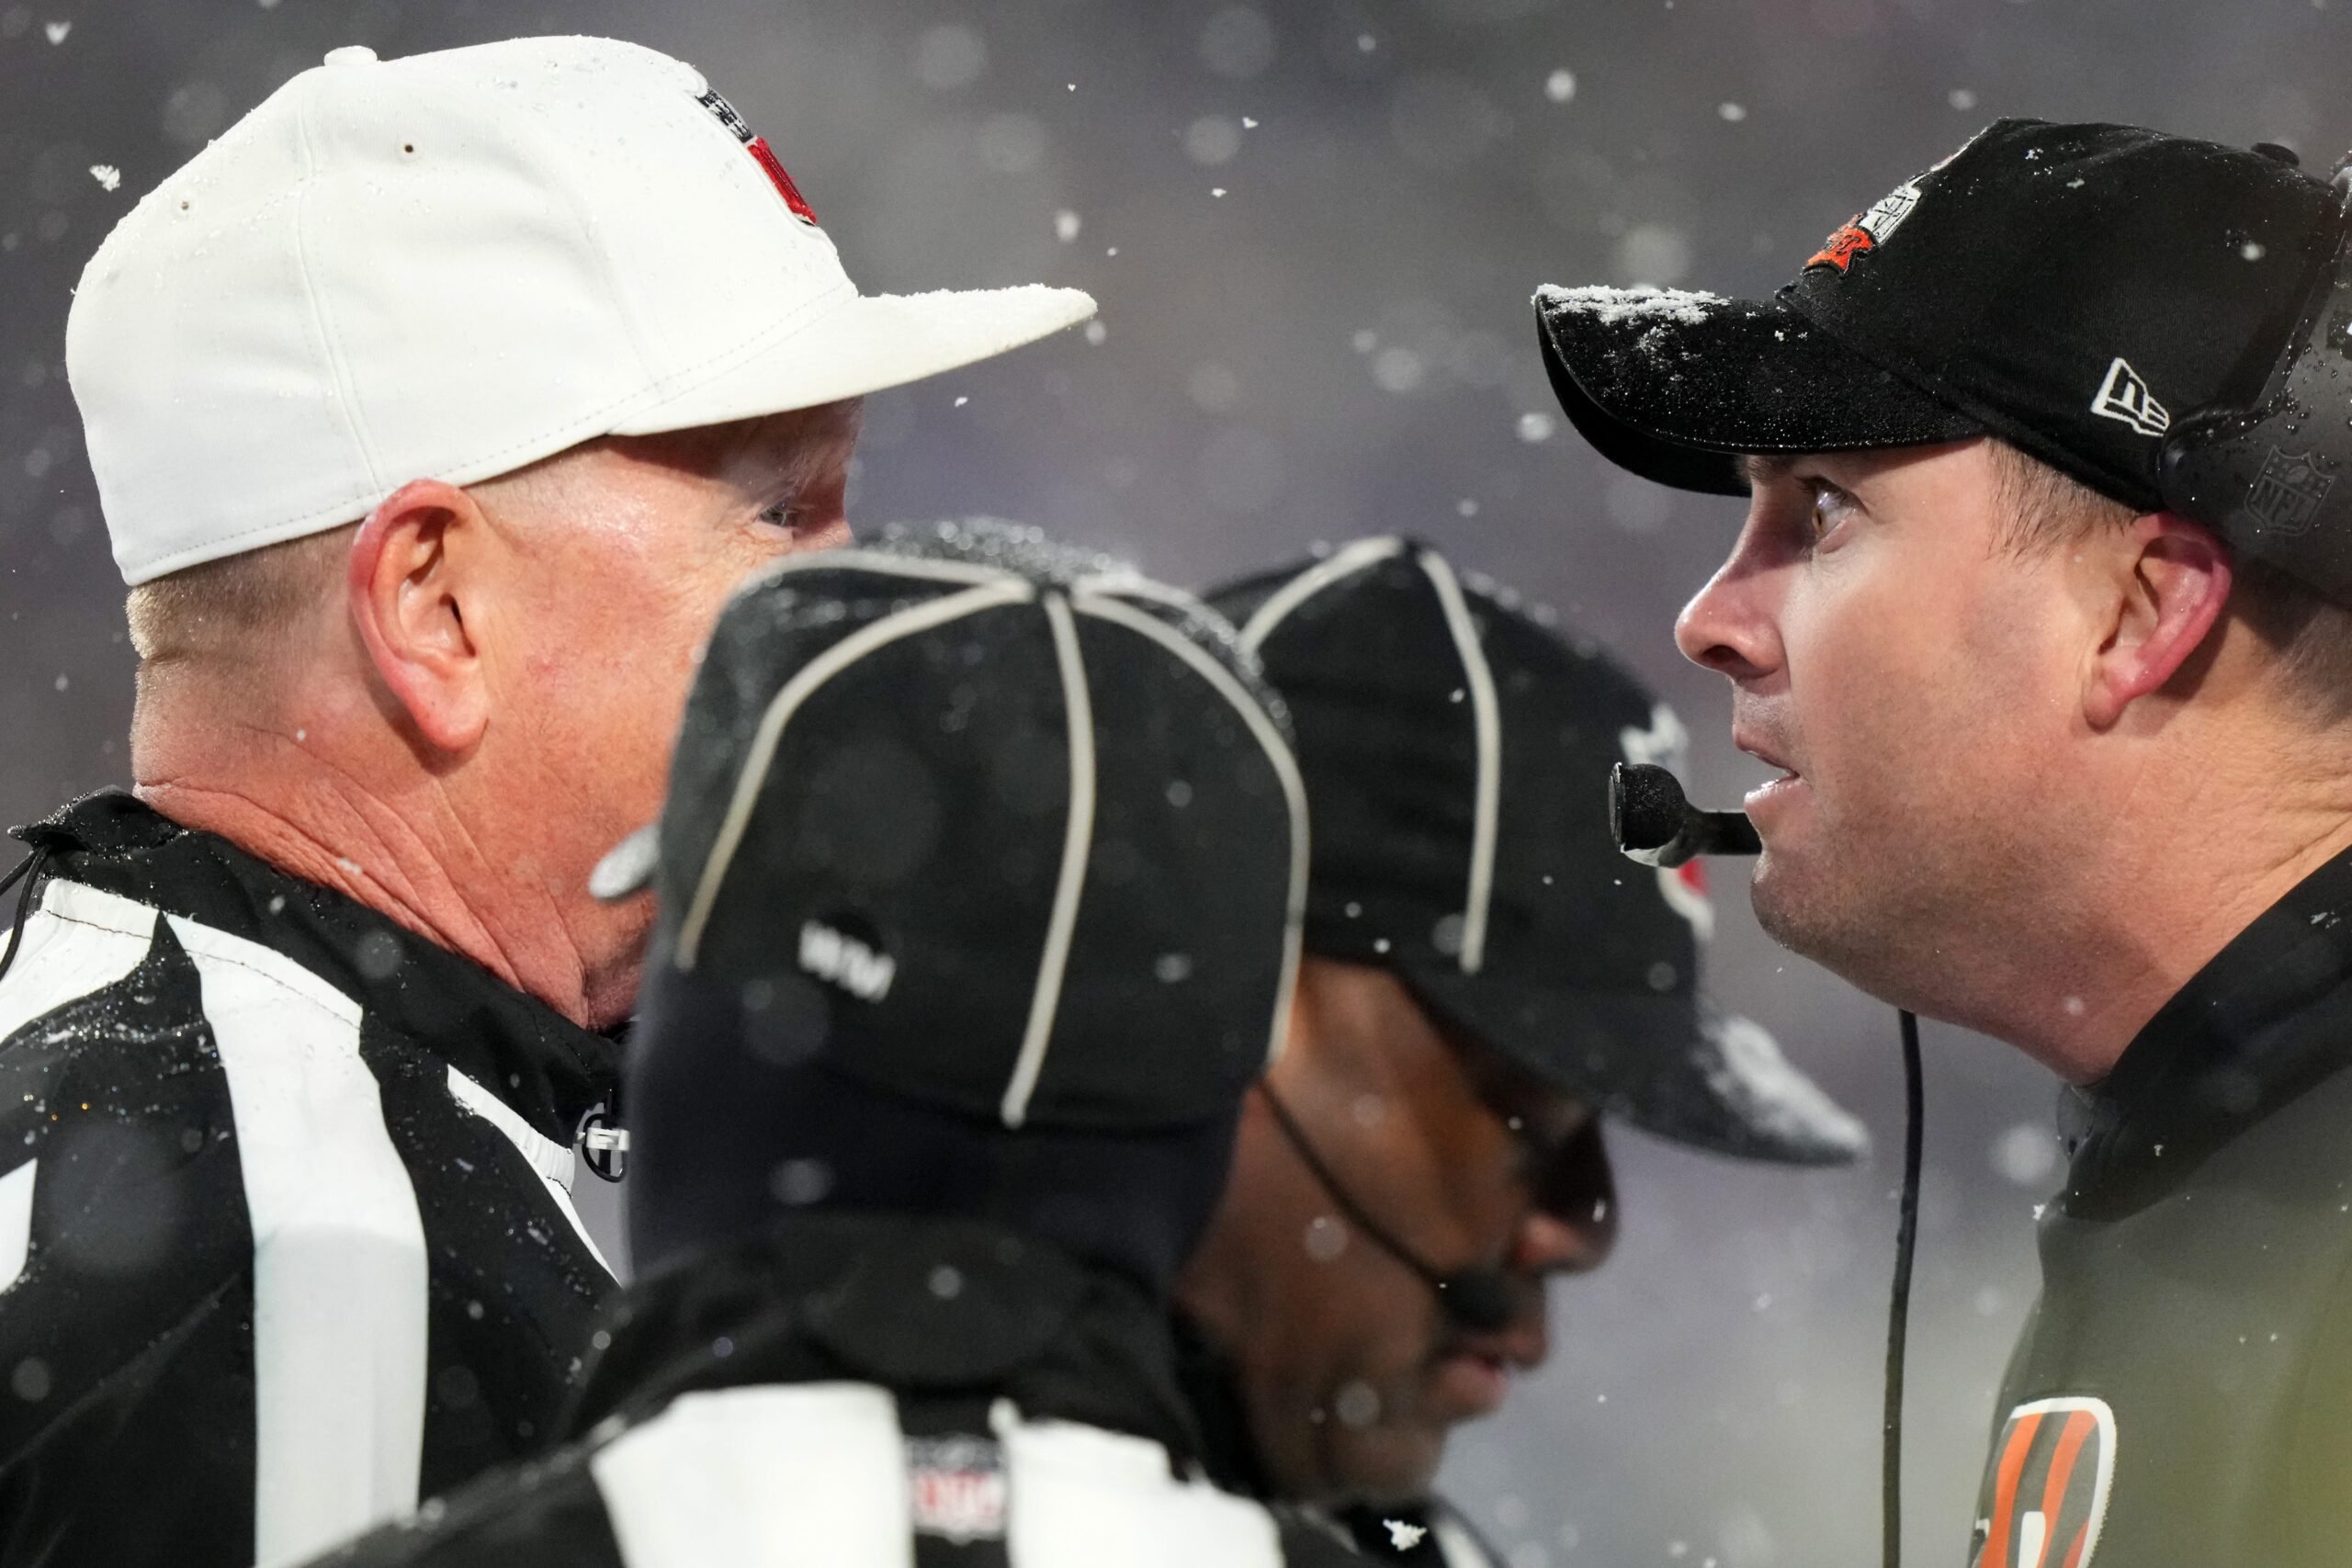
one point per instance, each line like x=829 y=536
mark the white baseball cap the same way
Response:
x=451 y=265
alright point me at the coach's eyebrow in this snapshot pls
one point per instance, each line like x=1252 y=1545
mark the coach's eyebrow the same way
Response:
x=1762 y=468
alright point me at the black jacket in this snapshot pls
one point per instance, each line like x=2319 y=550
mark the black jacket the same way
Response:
x=284 y=1238
x=2183 y=1391
x=865 y=1390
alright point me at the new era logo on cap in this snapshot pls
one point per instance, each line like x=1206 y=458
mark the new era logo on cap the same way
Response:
x=2124 y=396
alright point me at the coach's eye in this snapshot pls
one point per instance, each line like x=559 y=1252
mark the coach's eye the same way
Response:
x=1830 y=506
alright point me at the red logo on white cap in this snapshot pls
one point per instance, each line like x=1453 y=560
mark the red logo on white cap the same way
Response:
x=724 y=112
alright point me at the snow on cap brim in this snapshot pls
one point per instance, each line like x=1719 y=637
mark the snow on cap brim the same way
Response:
x=1769 y=1094
x=1673 y=1065
x=1674 y=386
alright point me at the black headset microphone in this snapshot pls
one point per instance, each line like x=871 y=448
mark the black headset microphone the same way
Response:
x=1653 y=823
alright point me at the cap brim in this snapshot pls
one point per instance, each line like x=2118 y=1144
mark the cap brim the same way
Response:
x=1711 y=1081
x=865 y=343
x=1676 y=386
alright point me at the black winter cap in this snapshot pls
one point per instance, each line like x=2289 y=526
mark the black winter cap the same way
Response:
x=2077 y=290
x=1456 y=754
x=1002 y=830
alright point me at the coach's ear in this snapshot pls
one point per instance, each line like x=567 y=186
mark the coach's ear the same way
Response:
x=2159 y=587
x=407 y=588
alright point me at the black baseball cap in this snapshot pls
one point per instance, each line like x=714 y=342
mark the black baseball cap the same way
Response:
x=1455 y=749
x=1002 y=830
x=2092 y=294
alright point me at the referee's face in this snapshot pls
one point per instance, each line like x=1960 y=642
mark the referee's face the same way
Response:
x=621 y=557
x=1352 y=1374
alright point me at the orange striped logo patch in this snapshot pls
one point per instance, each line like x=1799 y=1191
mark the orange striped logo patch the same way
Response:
x=2045 y=1490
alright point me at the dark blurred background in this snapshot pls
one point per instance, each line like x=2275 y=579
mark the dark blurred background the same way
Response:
x=1314 y=226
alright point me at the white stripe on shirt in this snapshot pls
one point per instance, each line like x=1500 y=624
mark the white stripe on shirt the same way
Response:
x=16 y=1221
x=1080 y=1497
x=766 y=1476
x=339 y=1260
x=556 y=1163
x=79 y=940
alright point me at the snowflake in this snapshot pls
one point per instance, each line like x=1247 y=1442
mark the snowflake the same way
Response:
x=1402 y=1536
x=106 y=174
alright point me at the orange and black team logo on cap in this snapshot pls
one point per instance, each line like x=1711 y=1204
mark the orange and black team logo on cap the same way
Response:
x=2045 y=1492
x=1869 y=230
x=1840 y=249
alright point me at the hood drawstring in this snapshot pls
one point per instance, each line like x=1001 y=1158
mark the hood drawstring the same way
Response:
x=29 y=872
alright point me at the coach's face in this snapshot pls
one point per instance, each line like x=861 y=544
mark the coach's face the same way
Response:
x=1913 y=682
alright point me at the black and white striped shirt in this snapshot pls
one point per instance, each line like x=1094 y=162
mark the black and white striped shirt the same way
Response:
x=869 y=1392
x=286 y=1237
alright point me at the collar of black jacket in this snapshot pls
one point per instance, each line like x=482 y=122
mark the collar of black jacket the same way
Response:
x=1212 y=1385
x=951 y=1308
x=550 y=1071
x=2269 y=1017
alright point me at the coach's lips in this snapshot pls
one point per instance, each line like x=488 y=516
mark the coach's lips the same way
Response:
x=1764 y=796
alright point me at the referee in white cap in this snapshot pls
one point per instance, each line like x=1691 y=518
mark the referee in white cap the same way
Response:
x=434 y=410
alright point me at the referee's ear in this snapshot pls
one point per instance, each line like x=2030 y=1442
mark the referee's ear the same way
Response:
x=2157 y=590
x=406 y=588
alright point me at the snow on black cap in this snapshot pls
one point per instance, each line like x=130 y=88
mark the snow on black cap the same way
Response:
x=1004 y=829
x=1456 y=753
x=2074 y=289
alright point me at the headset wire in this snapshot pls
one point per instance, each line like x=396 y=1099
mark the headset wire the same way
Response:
x=1898 y=1311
